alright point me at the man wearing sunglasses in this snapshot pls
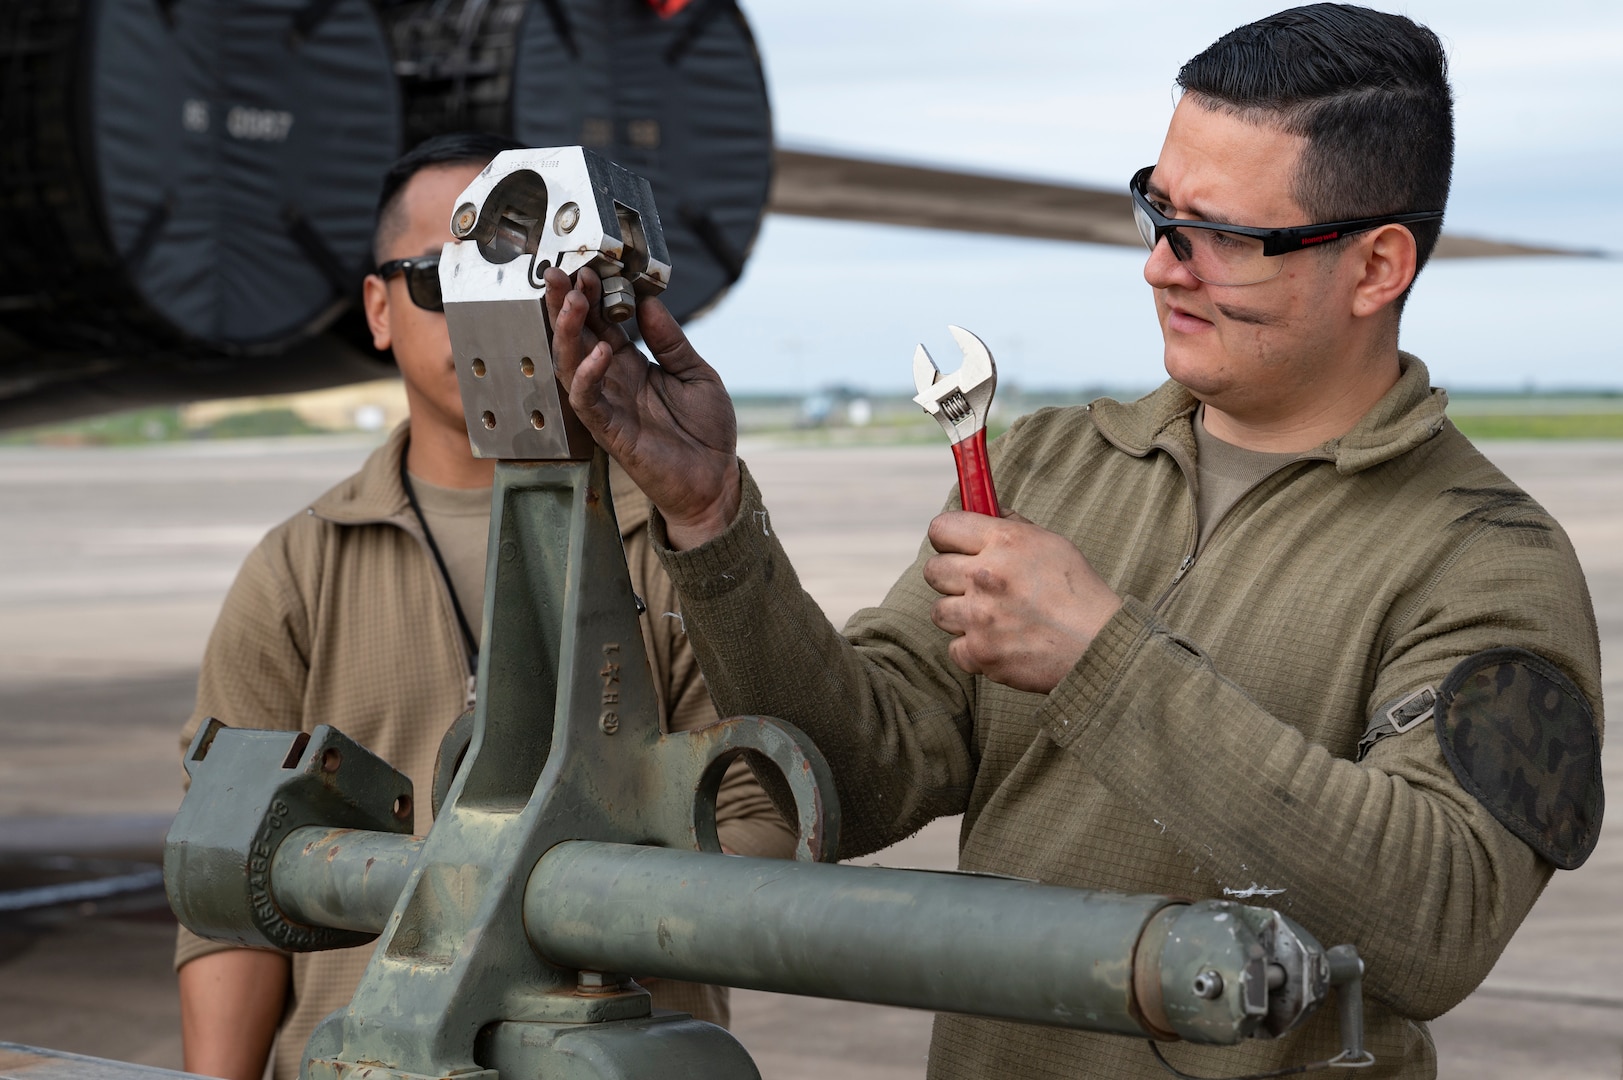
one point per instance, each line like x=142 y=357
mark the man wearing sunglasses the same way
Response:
x=364 y=611
x=1275 y=631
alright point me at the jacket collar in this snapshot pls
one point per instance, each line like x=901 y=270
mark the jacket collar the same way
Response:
x=1409 y=414
x=374 y=493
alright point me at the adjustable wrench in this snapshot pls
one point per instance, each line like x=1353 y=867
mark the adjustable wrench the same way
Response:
x=960 y=402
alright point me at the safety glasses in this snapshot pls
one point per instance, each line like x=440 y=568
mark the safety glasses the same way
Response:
x=422 y=280
x=1223 y=254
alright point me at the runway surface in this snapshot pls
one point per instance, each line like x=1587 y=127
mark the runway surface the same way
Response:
x=113 y=564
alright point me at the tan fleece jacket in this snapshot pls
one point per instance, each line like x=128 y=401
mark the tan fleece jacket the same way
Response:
x=1207 y=739
x=340 y=617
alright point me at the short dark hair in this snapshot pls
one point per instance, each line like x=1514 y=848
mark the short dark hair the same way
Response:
x=451 y=148
x=1367 y=90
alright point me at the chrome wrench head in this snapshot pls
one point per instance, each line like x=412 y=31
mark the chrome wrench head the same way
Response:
x=960 y=401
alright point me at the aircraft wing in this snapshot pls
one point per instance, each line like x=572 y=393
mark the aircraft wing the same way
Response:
x=808 y=184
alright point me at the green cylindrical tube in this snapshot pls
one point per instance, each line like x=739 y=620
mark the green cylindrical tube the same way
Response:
x=346 y=879
x=947 y=942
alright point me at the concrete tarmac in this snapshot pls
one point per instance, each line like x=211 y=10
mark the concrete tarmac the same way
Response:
x=113 y=564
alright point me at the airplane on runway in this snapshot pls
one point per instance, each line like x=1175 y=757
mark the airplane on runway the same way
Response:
x=187 y=189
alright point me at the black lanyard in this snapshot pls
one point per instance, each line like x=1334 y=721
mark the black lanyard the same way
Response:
x=445 y=574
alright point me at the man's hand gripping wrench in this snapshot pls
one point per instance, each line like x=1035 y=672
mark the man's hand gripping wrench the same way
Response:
x=960 y=402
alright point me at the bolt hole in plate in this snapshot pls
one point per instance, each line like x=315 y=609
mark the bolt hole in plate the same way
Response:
x=478 y=368
x=296 y=752
x=528 y=367
x=517 y=209
x=331 y=758
x=537 y=421
x=789 y=768
x=488 y=418
x=402 y=807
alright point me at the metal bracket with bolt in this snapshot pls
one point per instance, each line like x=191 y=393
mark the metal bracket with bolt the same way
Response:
x=574 y=841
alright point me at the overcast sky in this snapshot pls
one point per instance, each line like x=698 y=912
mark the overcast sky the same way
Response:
x=1081 y=91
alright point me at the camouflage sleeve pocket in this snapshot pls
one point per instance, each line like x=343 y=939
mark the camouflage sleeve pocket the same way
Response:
x=1522 y=739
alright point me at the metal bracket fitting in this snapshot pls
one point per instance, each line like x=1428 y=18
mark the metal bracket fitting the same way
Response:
x=259 y=787
x=528 y=211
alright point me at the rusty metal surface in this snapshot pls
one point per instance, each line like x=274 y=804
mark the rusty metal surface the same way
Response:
x=566 y=745
x=668 y=1045
x=348 y=879
x=946 y=942
x=1270 y=973
x=250 y=790
x=927 y=940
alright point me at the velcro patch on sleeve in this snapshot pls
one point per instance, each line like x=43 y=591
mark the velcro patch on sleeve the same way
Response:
x=1521 y=738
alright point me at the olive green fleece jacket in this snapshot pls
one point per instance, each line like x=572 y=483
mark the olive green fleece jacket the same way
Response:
x=340 y=617
x=1206 y=741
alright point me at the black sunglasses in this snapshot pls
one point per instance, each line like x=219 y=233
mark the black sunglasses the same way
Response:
x=1153 y=225
x=422 y=279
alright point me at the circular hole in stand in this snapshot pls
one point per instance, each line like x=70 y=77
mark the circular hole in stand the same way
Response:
x=488 y=418
x=537 y=421
x=331 y=758
x=402 y=807
x=529 y=367
x=478 y=368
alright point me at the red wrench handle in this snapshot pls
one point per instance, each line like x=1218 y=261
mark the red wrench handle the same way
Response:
x=975 y=489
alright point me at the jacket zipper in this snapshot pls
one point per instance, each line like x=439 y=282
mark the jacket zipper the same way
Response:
x=470 y=692
x=1194 y=545
x=1191 y=547
x=1177 y=576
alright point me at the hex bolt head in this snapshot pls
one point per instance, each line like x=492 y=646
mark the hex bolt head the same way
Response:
x=619 y=302
x=567 y=218
x=1209 y=985
x=463 y=221
x=599 y=982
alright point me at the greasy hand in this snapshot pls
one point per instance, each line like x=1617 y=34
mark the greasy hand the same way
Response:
x=669 y=424
x=1022 y=602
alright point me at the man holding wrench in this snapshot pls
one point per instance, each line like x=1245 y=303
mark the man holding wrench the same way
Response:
x=1275 y=629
